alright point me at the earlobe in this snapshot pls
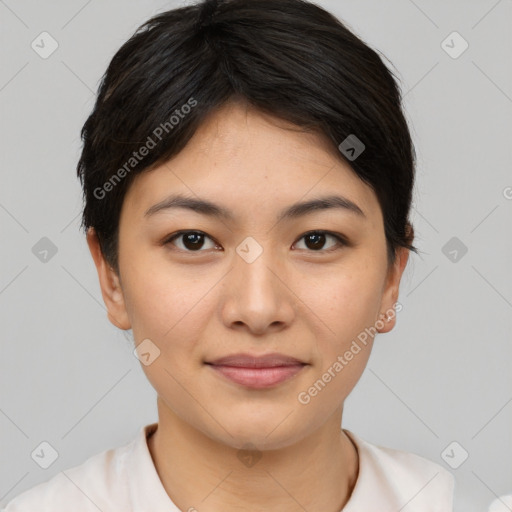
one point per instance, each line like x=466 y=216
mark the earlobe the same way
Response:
x=109 y=283
x=385 y=323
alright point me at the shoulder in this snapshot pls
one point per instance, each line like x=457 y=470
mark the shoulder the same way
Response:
x=89 y=486
x=400 y=478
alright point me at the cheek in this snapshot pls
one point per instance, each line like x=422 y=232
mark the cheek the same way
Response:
x=347 y=303
x=343 y=337
x=347 y=298
x=171 y=311
x=353 y=306
x=165 y=307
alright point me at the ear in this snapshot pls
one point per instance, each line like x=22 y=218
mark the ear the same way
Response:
x=110 y=284
x=391 y=287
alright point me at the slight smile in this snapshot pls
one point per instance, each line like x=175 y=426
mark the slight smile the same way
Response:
x=257 y=372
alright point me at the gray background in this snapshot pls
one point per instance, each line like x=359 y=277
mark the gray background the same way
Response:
x=68 y=377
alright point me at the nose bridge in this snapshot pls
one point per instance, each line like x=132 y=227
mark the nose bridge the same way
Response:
x=255 y=293
x=253 y=264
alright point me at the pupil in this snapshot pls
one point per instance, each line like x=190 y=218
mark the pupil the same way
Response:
x=318 y=240
x=191 y=241
x=195 y=240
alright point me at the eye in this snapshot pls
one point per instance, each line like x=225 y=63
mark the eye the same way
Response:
x=193 y=241
x=314 y=240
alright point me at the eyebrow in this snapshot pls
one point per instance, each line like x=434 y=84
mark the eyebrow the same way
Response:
x=294 y=211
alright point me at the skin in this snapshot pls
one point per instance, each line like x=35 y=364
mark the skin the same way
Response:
x=207 y=303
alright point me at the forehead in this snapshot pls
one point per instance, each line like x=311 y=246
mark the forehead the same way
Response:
x=244 y=159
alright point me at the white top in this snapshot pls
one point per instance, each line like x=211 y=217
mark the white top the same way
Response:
x=124 y=479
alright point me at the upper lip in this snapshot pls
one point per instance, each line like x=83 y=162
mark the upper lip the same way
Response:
x=255 y=361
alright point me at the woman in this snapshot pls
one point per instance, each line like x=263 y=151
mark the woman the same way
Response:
x=248 y=173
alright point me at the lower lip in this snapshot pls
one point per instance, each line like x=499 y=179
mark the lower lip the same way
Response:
x=258 y=377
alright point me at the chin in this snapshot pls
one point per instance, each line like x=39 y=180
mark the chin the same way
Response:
x=261 y=435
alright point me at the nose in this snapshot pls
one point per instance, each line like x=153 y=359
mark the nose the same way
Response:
x=257 y=296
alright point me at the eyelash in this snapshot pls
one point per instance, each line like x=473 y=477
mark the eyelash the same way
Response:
x=341 y=241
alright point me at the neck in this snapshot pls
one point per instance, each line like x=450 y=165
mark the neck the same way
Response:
x=197 y=472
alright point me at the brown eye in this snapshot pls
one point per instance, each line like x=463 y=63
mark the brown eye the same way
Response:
x=192 y=241
x=316 y=240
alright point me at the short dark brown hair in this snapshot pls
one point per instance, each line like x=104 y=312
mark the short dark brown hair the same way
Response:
x=288 y=58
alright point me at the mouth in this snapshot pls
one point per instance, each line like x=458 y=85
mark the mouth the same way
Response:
x=257 y=372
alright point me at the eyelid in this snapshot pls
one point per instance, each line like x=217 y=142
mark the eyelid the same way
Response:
x=167 y=240
x=341 y=239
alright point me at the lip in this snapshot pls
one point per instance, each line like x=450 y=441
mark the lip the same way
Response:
x=257 y=371
x=254 y=361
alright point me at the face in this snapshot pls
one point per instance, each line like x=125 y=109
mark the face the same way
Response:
x=200 y=285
